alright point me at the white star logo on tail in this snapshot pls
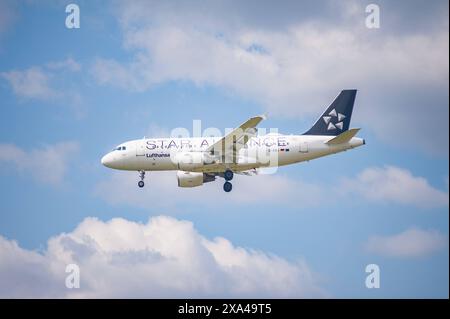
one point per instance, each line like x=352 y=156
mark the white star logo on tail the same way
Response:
x=329 y=122
x=327 y=119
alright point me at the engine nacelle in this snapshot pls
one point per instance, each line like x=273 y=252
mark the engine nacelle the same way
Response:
x=189 y=179
x=194 y=179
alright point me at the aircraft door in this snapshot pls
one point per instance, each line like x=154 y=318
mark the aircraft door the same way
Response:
x=303 y=147
x=140 y=148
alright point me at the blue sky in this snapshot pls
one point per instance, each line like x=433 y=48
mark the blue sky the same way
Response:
x=141 y=69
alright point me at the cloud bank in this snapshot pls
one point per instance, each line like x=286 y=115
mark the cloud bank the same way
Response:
x=395 y=185
x=295 y=62
x=42 y=82
x=165 y=257
x=413 y=242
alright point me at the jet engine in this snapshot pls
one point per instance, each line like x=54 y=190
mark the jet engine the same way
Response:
x=193 y=179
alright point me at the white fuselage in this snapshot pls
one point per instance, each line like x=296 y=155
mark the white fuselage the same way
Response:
x=160 y=154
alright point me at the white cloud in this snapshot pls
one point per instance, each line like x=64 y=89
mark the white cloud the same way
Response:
x=23 y=273
x=47 y=164
x=31 y=83
x=413 y=242
x=296 y=69
x=164 y=258
x=161 y=190
x=67 y=64
x=39 y=82
x=111 y=72
x=290 y=74
x=397 y=185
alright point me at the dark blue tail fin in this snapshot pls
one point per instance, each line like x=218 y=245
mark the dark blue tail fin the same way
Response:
x=336 y=119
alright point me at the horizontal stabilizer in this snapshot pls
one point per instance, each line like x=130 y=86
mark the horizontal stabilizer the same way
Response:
x=343 y=137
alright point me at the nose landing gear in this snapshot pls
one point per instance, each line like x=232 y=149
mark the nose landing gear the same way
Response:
x=228 y=176
x=141 y=176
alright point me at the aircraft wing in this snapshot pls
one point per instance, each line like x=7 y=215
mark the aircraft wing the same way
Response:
x=251 y=172
x=230 y=144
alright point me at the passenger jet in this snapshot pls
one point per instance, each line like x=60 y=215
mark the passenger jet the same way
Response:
x=199 y=160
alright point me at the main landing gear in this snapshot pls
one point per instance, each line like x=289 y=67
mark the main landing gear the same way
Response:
x=228 y=176
x=141 y=176
x=227 y=187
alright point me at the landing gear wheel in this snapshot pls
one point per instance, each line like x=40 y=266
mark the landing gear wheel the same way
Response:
x=141 y=184
x=228 y=175
x=227 y=187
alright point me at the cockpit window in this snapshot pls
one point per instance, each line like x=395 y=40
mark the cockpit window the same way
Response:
x=120 y=148
x=123 y=148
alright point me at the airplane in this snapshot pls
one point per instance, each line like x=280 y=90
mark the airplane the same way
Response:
x=200 y=160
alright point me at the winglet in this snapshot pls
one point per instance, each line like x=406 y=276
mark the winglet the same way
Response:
x=343 y=137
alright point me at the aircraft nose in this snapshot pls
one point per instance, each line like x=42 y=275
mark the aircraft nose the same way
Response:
x=107 y=160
